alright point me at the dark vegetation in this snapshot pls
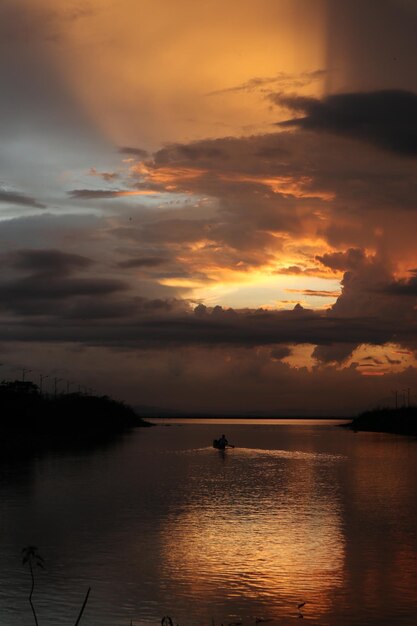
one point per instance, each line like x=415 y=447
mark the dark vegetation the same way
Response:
x=33 y=559
x=29 y=419
x=401 y=421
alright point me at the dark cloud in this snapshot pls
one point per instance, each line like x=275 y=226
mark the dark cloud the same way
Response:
x=280 y=352
x=97 y=308
x=403 y=287
x=216 y=381
x=296 y=270
x=25 y=294
x=392 y=361
x=93 y=194
x=387 y=118
x=137 y=152
x=107 y=176
x=50 y=262
x=165 y=322
x=334 y=353
x=48 y=283
x=372 y=359
x=15 y=197
x=283 y=172
x=273 y=153
x=342 y=261
x=196 y=152
x=174 y=230
x=369 y=289
x=41 y=229
x=138 y=262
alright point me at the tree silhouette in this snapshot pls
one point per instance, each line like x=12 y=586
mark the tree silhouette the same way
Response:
x=31 y=556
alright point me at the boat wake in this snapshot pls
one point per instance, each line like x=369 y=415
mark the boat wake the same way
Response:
x=279 y=454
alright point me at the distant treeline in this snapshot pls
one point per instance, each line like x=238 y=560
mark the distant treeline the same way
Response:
x=401 y=421
x=28 y=416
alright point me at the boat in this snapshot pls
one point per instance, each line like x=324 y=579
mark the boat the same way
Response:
x=221 y=445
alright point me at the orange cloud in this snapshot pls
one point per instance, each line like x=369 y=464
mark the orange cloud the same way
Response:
x=285 y=185
x=316 y=293
x=170 y=178
x=151 y=77
x=177 y=178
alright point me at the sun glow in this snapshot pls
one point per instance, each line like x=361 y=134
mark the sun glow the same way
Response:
x=154 y=49
x=259 y=289
x=286 y=274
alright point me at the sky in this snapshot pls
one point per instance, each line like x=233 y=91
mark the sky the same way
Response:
x=211 y=207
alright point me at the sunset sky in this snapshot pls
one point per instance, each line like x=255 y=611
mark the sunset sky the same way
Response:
x=211 y=206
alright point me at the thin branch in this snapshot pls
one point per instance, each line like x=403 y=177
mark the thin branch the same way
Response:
x=83 y=606
x=31 y=592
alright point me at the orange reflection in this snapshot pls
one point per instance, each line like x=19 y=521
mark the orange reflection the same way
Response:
x=268 y=546
x=381 y=483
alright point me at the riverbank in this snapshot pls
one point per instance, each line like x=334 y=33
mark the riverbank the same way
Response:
x=33 y=421
x=400 y=421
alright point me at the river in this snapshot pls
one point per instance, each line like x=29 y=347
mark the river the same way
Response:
x=159 y=523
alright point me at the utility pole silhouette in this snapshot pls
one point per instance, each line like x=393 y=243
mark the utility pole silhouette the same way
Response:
x=56 y=381
x=403 y=399
x=69 y=383
x=407 y=391
x=41 y=379
x=24 y=372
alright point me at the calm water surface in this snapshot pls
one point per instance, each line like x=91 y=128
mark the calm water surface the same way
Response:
x=160 y=523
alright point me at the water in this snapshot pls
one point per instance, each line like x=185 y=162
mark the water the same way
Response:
x=159 y=523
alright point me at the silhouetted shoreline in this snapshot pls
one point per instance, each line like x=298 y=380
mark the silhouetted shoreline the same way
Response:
x=210 y=416
x=32 y=421
x=399 y=421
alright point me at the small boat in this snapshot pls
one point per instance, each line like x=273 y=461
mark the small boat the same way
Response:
x=221 y=445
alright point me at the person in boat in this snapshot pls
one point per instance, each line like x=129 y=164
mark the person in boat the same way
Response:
x=222 y=442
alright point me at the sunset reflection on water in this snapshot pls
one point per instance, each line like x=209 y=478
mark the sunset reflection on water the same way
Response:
x=265 y=531
x=162 y=524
